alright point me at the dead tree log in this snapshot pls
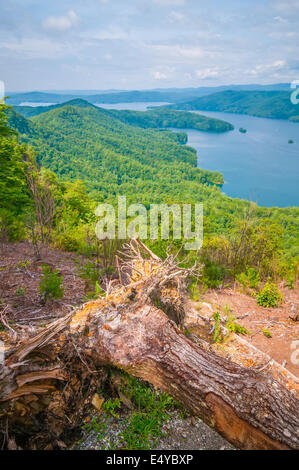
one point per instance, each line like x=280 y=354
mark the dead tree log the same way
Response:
x=136 y=328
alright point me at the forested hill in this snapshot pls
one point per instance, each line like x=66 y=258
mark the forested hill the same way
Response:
x=156 y=118
x=269 y=104
x=86 y=143
x=166 y=118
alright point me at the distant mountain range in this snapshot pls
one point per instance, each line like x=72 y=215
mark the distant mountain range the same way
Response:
x=171 y=95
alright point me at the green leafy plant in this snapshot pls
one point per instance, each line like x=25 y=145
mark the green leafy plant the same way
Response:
x=249 y=279
x=266 y=333
x=50 y=284
x=89 y=271
x=24 y=264
x=270 y=296
x=217 y=336
x=110 y=406
x=234 y=327
x=213 y=274
x=21 y=291
x=144 y=427
x=194 y=291
x=290 y=282
x=96 y=425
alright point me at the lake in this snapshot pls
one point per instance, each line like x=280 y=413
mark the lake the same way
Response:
x=138 y=106
x=260 y=165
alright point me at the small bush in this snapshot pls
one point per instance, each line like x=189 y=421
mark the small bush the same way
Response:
x=249 y=279
x=290 y=282
x=194 y=291
x=217 y=336
x=21 y=291
x=66 y=242
x=266 y=333
x=213 y=274
x=110 y=406
x=50 y=284
x=270 y=296
x=11 y=227
x=234 y=327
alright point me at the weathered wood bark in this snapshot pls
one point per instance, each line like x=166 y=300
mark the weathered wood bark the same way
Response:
x=250 y=409
x=130 y=330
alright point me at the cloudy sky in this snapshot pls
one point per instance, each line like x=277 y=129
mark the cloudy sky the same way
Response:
x=140 y=44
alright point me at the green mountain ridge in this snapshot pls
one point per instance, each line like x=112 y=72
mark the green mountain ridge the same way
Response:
x=87 y=143
x=155 y=118
x=268 y=104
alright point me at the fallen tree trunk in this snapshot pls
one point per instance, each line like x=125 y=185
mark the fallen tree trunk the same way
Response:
x=135 y=328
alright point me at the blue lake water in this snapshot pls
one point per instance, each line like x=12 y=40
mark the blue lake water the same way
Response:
x=260 y=165
x=136 y=106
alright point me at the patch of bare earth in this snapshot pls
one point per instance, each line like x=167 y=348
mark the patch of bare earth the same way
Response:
x=20 y=273
x=278 y=321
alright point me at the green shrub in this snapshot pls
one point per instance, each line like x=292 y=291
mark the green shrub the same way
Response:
x=217 y=336
x=21 y=291
x=234 y=327
x=249 y=278
x=213 y=274
x=270 y=296
x=194 y=291
x=11 y=227
x=144 y=426
x=290 y=282
x=266 y=333
x=110 y=406
x=50 y=284
x=67 y=242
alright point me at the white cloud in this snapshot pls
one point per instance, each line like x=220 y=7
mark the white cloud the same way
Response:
x=207 y=73
x=160 y=76
x=61 y=23
x=177 y=16
x=163 y=73
x=272 y=67
x=280 y=19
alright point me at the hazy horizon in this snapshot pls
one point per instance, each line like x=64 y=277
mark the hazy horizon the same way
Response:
x=115 y=90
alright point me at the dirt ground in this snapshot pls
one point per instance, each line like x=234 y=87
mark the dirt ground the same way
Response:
x=20 y=273
x=284 y=331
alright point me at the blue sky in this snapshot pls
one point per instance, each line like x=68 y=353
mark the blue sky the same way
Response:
x=142 y=44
